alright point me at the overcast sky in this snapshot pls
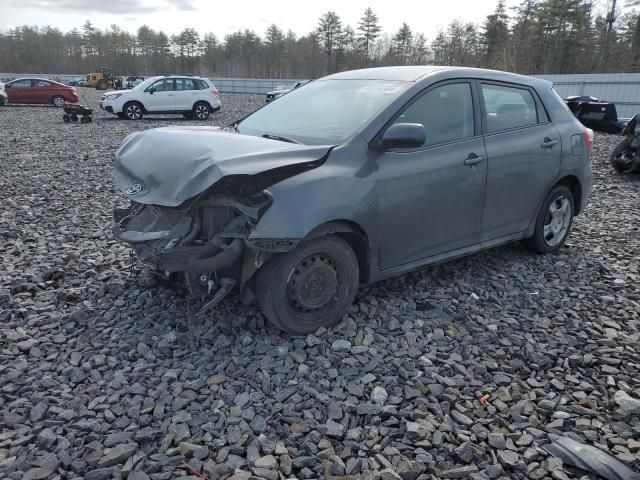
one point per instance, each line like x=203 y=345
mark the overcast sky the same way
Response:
x=224 y=17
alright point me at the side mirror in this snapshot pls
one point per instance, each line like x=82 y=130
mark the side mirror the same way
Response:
x=151 y=90
x=7 y=86
x=403 y=135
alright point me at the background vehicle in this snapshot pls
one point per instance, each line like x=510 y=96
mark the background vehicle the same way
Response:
x=596 y=114
x=131 y=82
x=384 y=171
x=103 y=78
x=193 y=97
x=3 y=95
x=39 y=90
x=278 y=92
x=625 y=158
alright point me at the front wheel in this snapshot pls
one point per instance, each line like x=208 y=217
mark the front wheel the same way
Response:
x=553 y=223
x=309 y=287
x=201 y=111
x=133 y=111
x=622 y=157
x=57 y=101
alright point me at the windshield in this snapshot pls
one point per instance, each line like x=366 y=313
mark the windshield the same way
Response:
x=145 y=84
x=324 y=111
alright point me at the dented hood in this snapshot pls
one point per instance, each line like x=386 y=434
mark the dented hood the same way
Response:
x=166 y=166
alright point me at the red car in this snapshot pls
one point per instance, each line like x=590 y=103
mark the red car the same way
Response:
x=39 y=90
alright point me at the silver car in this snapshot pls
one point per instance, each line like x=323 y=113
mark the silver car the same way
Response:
x=383 y=171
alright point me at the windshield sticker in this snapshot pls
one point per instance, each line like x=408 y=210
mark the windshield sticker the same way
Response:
x=386 y=89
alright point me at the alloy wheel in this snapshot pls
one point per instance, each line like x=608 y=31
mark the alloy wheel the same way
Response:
x=202 y=112
x=557 y=221
x=134 y=112
x=58 y=101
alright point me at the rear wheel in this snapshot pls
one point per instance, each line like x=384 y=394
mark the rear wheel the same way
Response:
x=66 y=118
x=553 y=223
x=57 y=101
x=309 y=287
x=133 y=111
x=201 y=110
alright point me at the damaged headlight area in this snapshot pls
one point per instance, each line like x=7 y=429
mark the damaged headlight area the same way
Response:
x=202 y=243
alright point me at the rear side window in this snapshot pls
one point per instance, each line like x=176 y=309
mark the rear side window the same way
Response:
x=446 y=113
x=203 y=85
x=508 y=107
x=42 y=83
x=186 y=84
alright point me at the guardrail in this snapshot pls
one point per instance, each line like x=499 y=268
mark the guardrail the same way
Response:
x=623 y=89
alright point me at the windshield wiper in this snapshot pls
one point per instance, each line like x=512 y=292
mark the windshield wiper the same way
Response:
x=281 y=139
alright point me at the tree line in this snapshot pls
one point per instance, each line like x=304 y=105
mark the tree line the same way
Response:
x=536 y=37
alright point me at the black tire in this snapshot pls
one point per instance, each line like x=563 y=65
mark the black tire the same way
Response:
x=85 y=119
x=57 y=101
x=74 y=117
x=201 y=111
x=102 y=84
x=66 y=118
x=133 y=111
x=617 y=161
x=309 y=287
x=542 y=242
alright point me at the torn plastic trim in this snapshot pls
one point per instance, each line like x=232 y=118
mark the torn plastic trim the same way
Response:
x=590 y=459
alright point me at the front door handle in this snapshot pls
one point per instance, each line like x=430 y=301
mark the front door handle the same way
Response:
x=548 y=143
x=473 y=159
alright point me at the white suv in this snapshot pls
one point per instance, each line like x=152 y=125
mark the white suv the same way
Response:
x=194 y=97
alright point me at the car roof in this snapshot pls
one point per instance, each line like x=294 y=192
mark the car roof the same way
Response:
x=37 y=78
x=415 y=73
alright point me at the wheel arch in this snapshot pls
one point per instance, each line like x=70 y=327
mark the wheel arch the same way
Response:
x=573 y=184
x=354 y=235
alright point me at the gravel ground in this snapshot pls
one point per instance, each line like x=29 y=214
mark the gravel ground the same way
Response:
x=102 y=378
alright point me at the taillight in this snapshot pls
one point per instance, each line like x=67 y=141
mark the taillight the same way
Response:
x=215 y=92
x=587 y=134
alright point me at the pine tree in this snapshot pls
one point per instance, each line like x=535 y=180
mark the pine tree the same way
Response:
x=368 y=29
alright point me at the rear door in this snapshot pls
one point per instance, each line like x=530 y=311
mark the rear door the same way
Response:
x=19 y=91
x=160 y=96
x=523 y=153
x=186 y=93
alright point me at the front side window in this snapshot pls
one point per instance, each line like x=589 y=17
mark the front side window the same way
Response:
x=508 y=107
x=446 y=113
x=164 y=85
x=21 y=84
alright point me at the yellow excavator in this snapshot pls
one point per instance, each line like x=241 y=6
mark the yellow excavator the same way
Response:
x=104 y=78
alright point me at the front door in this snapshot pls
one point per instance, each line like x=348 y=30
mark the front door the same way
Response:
x=19 y=91
x=430 y=199
x=524 y=151
x=160 y=96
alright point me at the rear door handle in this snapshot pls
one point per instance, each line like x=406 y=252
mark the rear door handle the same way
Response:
x=473 y=159
x=548 y=143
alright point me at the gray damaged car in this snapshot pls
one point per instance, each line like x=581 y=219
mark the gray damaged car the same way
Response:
x=382 y=172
